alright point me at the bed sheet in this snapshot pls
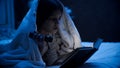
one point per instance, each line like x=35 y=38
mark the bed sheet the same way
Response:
x=107 y=56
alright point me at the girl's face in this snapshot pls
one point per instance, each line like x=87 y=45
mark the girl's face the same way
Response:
x=51 y=24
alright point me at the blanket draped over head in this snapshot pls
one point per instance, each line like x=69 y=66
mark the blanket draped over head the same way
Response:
x=23 y=51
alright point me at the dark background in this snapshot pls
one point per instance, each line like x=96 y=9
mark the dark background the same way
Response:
x=96 y=18
x=93 y=18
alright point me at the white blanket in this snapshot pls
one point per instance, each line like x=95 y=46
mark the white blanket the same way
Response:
x=23 y=52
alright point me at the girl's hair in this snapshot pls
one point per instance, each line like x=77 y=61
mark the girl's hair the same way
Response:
x=45 y=9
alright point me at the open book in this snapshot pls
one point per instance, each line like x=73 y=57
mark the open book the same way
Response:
x=80 y=55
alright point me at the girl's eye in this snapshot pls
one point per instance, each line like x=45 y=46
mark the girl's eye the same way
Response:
x=53 y=19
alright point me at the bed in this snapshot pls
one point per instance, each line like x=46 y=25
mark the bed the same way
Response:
x=107 y=56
